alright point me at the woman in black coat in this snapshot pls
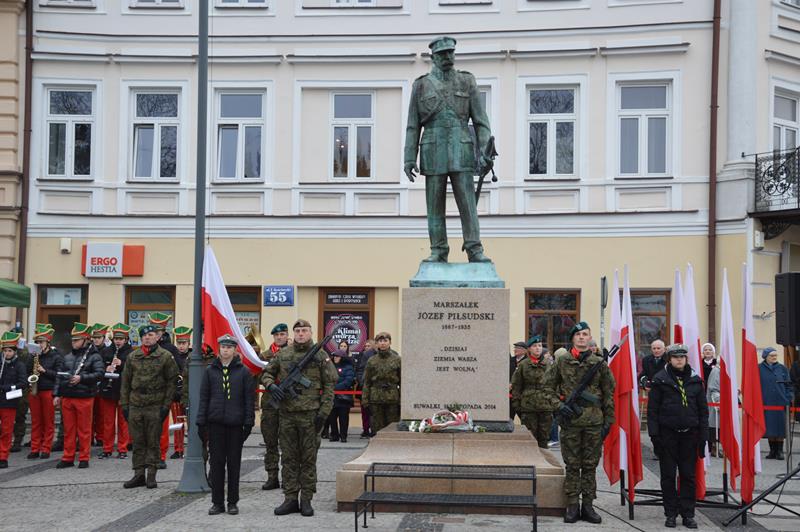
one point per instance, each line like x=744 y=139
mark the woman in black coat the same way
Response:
x=677 y=420
x=225 y=417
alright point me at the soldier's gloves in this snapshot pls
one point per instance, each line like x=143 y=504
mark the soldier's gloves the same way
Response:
x=246 y=430
x=163 y=412
x=276 y=392
x=319 y=422
x=656 y=445
x=202 y=431
x=125 y=413
x=701 y=449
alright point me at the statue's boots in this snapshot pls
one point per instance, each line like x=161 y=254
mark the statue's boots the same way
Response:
x=479 y=257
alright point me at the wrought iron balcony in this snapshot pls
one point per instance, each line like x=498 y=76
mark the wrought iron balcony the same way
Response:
x=777 y=194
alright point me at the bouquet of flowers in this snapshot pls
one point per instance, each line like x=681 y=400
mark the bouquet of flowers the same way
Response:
x=450 y=420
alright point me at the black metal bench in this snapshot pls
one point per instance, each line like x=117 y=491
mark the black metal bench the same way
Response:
x=369 y=498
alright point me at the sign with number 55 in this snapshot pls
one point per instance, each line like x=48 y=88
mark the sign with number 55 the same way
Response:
x=279 y=296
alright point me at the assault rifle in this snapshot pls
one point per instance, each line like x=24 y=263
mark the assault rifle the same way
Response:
x=295 y=376
x=570 y=409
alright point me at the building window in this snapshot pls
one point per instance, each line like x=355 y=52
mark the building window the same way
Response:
x=67 y=3
x=242 y=3
x=352 y=129
x=141 y=301
x=70 y=124
x=246 y=302
x=644 y=129
x=240 y=135
x=157 y=3
x=784 y=122
x=650 y=309
x=552 y=129
x=551 y=314
x=156 y=120
x=61 y=306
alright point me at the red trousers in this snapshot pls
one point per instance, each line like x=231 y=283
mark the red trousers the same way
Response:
x=177 y=410
x=97 y=419
x=76 y=413
x=7 y=416
x=115 y=428
x=43 y=416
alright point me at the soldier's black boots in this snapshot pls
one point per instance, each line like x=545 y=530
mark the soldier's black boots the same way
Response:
x=272 y=483
x=305 y=508
x=289 y=506
x=572 y=513
x=215 y=509
x=589 y=515
x=233 y=509
x=669 y=522
x=689 y=522
x=136 y=482
x=150 y=479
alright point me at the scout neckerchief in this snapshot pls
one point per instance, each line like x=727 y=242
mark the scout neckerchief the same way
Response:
x=226 y=381
x=681 y=389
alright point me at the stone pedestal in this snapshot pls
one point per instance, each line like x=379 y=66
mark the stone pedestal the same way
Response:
x=486 y=448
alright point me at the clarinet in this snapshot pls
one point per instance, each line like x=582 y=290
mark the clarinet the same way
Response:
x=112 y=375
x=80 y=365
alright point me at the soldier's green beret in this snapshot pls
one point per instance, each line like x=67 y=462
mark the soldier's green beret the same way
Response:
x=578 y=327
x=533 y=340
x=442 y=43
x=227 y=339
x=677 y=350
x=281 y=327
x=147 y=328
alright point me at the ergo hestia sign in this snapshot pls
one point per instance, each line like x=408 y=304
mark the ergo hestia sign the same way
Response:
x=103 y=259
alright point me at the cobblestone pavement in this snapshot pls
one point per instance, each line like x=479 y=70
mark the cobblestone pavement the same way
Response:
x=36 y=496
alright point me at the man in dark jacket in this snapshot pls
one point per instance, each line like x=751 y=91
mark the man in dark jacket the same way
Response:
x=13 y=378
x=183 y=338
x=677 y=421
x=75 y=390
x=521 y=350
x=361 y=365
x=114 y=425
x=41 y=403
x=225 y=418
x=652 y=363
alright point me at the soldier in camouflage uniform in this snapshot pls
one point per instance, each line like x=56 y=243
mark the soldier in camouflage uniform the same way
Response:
x=148 y=387
x=381 y=392
x=270 y=417
x=582 y=438
x=302 y=418
x=529 y=396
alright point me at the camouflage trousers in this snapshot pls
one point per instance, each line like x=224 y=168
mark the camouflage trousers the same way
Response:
x=270 y=421
x=382 y=414
x=539 y=423
x=299 y=442
x=19 y=421
x=581 y=448
x=144 y=426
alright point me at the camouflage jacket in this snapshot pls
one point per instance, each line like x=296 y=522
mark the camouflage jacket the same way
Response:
x=321 y=373
x=148 y=381
x=382 y=379
x=205 y=360
x=528 y=392
x=565 y=374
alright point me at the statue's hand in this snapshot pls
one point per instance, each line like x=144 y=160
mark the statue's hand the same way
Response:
x=486 y=164
x=409 y=169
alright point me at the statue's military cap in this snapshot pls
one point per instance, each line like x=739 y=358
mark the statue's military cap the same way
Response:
x=442 y=43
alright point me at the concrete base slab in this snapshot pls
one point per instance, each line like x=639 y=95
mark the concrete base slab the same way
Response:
x=518 y=448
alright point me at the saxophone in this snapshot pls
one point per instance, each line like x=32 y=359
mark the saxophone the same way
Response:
x=34 y=378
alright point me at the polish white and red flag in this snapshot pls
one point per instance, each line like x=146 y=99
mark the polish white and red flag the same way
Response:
x=677 y=309
x=730 y=436
x=753 y=423
x=218 y=315
x=691 y=337
x=622 y=449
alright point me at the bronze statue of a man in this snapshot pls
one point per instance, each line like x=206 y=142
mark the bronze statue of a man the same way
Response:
x=442 y=103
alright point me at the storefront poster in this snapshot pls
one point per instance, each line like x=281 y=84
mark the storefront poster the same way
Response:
x=350 y=326
x=347 y=298
x=64 y=296
x=137 y=318
x=248 y=320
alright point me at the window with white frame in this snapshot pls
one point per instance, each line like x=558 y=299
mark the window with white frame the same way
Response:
x=240 y=135
x=784 y=122
x=156 y=121
x=157 y=3
x=242 y=3
x=644 y=124
x=352 y=127
x=70 y=125
x=67 y=3
x=552 y=129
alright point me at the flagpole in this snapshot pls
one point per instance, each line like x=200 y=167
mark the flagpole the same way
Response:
x=193 y=479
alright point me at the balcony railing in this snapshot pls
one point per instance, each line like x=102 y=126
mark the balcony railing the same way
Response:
x=777 y=182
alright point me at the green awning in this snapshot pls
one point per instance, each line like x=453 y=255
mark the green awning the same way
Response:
x=14 y=295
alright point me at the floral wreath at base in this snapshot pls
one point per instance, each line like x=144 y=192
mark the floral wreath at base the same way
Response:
x=452 y=419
